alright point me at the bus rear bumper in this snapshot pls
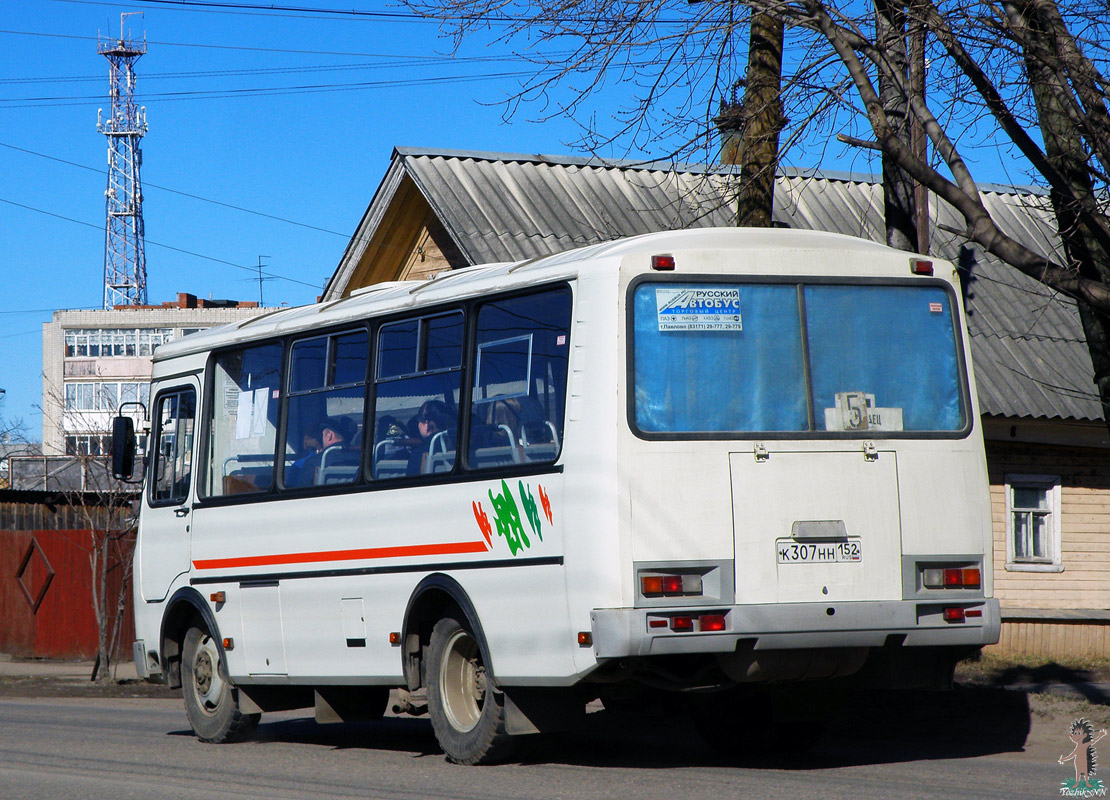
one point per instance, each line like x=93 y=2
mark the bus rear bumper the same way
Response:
x=621 y=632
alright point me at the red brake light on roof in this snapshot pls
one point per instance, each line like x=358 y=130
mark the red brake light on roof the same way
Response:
x=662 y=262
x=920 y=266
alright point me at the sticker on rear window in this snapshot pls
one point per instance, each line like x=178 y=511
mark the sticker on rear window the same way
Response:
x=698 y=309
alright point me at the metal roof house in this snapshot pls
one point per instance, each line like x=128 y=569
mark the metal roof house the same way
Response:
x=1047 y=440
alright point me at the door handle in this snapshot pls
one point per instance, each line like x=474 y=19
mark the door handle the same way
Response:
x=181 y=512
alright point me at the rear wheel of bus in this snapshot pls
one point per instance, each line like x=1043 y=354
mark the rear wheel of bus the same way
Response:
x=210 y=703
x=467 y=711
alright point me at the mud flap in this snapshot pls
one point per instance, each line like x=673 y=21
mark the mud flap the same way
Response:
x=541 y=710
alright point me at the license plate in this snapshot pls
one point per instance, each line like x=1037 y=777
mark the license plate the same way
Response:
x=793 y=552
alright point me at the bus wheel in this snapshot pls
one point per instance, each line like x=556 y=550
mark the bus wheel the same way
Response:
x=468 y=714
x=210 y=704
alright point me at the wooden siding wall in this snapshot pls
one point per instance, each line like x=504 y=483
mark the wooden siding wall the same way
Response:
x=408 y=243
x=1054 y=639
x=63 y=625
x=1085 y=528
x=425 y=259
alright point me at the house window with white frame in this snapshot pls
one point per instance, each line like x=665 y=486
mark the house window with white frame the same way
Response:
x=1033 y=523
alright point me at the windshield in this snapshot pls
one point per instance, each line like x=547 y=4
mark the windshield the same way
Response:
x=783 y=357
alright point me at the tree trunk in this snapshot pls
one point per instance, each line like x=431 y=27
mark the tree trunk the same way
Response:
x=899 y=196
x=1065 y=150
x=762 y=122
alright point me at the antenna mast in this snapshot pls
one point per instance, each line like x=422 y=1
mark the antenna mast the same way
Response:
x=124 y=247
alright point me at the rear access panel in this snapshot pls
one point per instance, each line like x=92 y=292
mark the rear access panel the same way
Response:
x=817 y=526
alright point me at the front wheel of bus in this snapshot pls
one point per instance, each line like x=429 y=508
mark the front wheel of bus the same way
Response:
x=210 y=703
x=468 y=713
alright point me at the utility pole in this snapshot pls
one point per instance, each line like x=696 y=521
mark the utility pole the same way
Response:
x=260 y=279
x=124 y=238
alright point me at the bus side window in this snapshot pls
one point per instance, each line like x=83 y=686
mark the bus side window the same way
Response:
x=175 y=415
x=520 y=374
x=417 y=388
x=326 y=391
x=242 y=421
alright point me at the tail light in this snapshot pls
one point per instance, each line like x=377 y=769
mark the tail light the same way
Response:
x=711 y=622
x=670 y=585
x=951 y=578
x=689 y=623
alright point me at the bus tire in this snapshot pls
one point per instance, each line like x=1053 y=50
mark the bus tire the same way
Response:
x=468 y=713
x=210 y=703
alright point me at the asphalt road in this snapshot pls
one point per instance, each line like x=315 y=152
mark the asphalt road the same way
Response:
x=987 y=745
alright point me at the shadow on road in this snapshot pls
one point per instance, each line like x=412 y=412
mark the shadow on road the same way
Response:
x=872 y=728
x=1081 y=681
x=868 y=728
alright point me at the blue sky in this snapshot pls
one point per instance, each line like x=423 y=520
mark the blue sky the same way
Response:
x=249 y=109
x=312 y=157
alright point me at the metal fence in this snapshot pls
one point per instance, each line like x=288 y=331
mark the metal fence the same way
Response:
x=63 y=474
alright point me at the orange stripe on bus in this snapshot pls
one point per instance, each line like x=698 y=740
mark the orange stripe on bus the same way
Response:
x=449 y=548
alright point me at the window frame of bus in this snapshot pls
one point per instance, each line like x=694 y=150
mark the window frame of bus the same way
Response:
x=560 y=287
x=797 y=281
x=156 y=434
x=289 y=343
x=419 y=316
x=206 y=434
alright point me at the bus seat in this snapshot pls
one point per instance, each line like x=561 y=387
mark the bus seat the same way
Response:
x=494 y=445
x=441 y=453
x=539 y=441
x=338 y=464
x=391 y=459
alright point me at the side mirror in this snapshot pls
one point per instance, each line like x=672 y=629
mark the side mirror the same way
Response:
x=123 y=448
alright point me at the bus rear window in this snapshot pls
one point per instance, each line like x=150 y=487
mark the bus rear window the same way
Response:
x=720 y=358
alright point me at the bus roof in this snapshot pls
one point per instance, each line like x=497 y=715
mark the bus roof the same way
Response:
x=393 y=296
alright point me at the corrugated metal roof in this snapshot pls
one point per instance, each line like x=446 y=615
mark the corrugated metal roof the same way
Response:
x=1030 y=356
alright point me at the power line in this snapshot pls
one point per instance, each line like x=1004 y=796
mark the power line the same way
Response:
x=271 y=10
x=392 y=16
x=394 y=62
x=148 y=184
x=252 y=270
x=224 y=94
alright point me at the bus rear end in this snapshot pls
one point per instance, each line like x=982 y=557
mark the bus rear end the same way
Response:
x=804 y=469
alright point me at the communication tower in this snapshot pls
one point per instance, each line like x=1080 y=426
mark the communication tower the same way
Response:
x=124 y=248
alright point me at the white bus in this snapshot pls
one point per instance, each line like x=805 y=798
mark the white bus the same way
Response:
x=693 y=461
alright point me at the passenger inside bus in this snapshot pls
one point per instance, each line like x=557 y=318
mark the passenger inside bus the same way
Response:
x=433 y=418
x=336 y=436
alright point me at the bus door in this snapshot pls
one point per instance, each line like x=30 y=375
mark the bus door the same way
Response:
x=164 y=532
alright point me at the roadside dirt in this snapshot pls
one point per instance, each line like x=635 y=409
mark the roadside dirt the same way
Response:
x=36 y=686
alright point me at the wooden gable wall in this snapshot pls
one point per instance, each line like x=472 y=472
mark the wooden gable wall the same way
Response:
x=409 y=244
